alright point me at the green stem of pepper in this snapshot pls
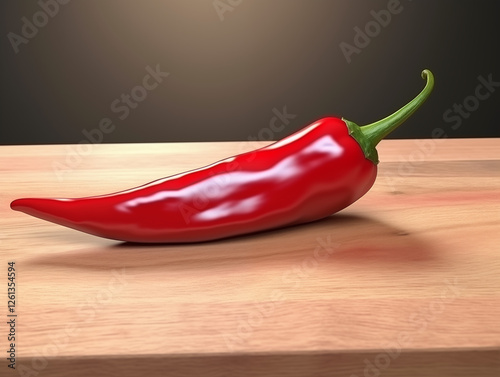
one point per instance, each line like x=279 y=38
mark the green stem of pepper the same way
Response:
x=370 y=135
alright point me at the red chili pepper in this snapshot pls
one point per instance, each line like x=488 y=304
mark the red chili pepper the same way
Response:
x=306 y=176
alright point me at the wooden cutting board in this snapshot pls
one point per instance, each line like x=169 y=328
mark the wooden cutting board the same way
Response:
x=405 y=282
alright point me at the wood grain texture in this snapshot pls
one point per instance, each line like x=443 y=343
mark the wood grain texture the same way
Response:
x=405 y=282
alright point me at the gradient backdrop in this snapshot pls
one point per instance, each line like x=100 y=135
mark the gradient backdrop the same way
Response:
x=69 y=67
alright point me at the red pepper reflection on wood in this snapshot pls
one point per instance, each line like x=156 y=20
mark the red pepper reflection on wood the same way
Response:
x=311 y=174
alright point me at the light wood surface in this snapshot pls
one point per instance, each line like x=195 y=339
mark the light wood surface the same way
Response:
x=405 y=282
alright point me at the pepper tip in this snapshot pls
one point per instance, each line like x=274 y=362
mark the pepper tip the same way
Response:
x=15 y=204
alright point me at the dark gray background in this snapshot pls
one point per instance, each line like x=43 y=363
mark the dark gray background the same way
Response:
x=227 y=75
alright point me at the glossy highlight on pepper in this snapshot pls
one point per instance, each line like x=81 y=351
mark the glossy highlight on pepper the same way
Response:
x=311 y=174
